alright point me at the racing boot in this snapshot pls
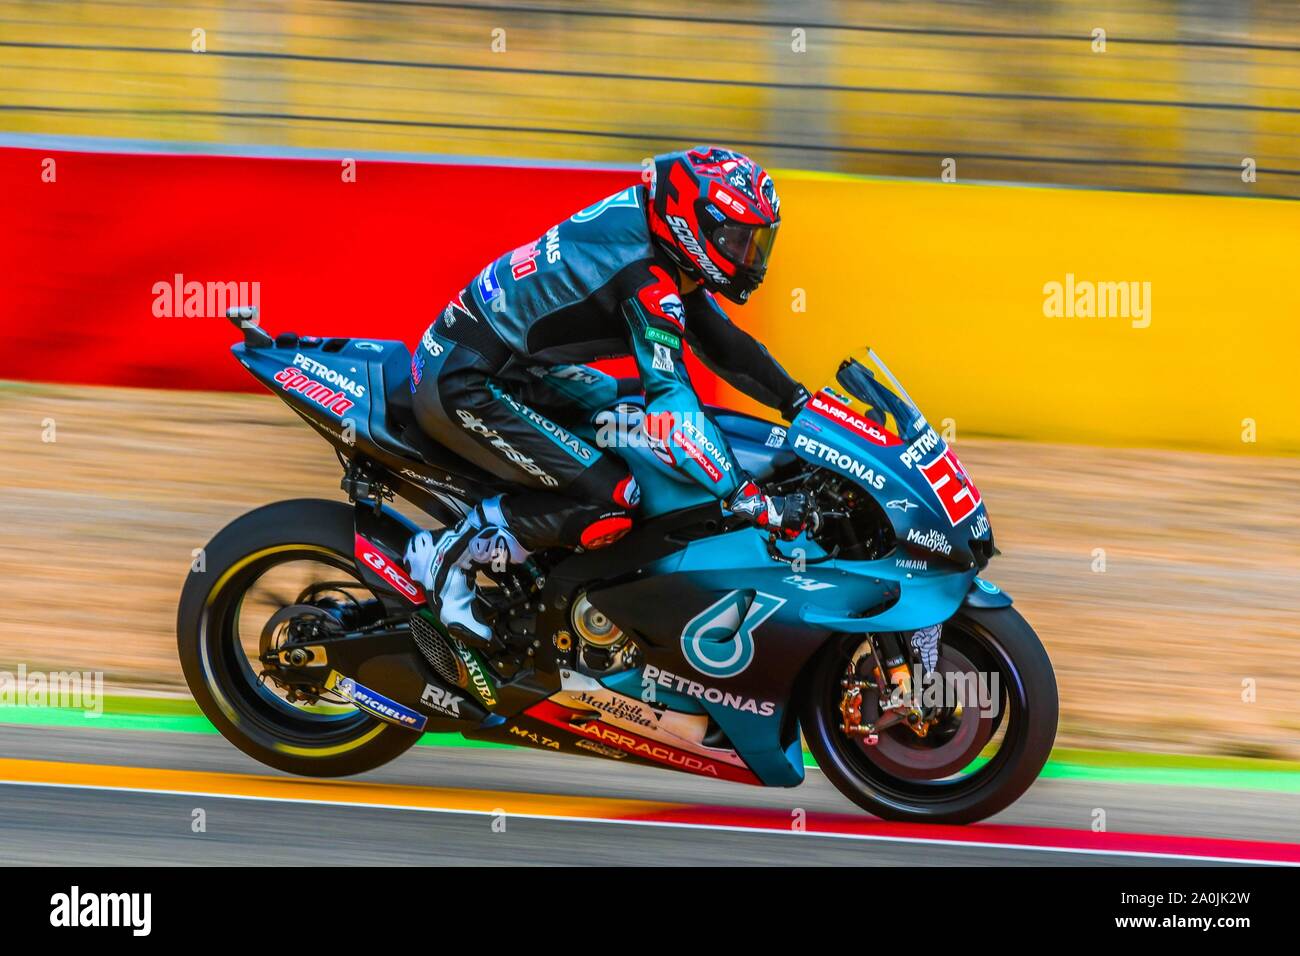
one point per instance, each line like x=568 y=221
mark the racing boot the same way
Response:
x=446 y=566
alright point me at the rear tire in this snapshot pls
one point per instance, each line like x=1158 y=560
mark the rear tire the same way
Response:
x=207 y=637
x=1003 y=640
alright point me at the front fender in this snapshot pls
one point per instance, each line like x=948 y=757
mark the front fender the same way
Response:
x=986 y=594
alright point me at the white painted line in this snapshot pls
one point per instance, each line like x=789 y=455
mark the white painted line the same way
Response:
x=665 y=824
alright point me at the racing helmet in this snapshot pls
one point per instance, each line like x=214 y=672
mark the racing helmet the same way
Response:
x=715 y=213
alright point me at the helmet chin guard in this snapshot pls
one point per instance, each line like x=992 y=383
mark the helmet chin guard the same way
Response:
x=715 y=213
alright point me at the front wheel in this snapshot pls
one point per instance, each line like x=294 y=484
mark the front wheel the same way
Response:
x=977 y=757
x=272 y=577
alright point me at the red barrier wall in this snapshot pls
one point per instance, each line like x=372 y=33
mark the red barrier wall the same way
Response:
x=378 y=257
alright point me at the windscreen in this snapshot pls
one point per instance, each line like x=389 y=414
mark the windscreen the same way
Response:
x=865 y=378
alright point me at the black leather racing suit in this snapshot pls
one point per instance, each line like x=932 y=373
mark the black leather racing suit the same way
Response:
x=499 y=372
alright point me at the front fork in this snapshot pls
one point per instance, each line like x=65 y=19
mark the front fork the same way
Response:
x=888 y=657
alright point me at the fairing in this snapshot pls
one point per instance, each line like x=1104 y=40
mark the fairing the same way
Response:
x=725 y=629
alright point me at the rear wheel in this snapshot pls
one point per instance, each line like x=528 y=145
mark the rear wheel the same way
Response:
x=274 y=574
x=977 y=758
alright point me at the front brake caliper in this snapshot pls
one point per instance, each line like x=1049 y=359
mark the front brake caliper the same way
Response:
x=851 y=712
x=852 y=686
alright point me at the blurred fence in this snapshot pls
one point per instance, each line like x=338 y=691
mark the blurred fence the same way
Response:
x=1175 y=96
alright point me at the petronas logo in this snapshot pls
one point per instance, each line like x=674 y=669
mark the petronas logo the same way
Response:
x=622 y=198
x=719 y=641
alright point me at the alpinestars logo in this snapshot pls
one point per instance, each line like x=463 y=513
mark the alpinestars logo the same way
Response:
x=477 y=425
x=682 y=230
x=455 y=310
x=672 y=307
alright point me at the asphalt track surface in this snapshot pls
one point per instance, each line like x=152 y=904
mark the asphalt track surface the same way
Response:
x=89 y=797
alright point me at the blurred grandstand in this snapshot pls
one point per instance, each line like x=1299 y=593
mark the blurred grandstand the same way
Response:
x=1177 y=97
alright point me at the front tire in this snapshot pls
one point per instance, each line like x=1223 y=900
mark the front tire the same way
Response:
x=224 y=683
x=996 y=640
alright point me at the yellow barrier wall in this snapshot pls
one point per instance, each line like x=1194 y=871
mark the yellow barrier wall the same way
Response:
x=946 y=281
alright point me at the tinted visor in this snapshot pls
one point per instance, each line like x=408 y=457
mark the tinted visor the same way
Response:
x=746 y=246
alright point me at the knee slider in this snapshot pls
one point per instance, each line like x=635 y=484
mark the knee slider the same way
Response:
x=605 y=530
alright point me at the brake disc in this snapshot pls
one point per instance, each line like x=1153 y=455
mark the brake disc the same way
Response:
x=951 y=745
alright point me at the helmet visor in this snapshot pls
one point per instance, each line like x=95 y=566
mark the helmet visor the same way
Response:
x=745 y=245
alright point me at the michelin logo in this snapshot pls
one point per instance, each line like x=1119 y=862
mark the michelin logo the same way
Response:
x=375 y=703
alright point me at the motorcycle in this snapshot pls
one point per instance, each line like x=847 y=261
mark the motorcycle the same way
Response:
x=696 y=642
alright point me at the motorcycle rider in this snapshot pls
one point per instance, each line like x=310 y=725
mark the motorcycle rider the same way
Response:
x=634 y=274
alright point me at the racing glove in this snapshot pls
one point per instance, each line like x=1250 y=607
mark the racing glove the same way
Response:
x=794 y=405
x=787 y=516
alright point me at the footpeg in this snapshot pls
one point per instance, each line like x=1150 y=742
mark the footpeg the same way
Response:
x=470 y=638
